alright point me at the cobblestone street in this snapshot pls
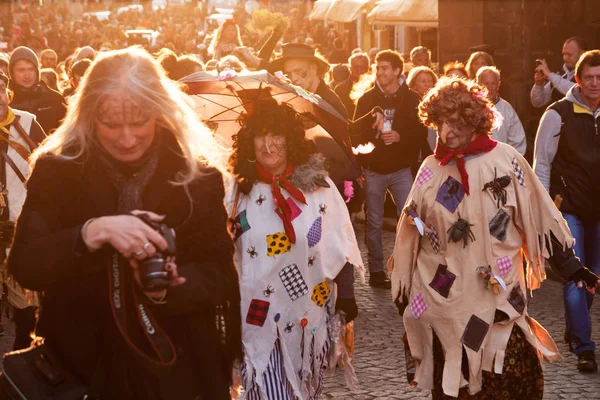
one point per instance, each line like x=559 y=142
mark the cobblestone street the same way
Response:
x=379 y=357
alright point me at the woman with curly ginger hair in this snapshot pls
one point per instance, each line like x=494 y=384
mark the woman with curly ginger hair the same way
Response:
x=475 y=208
x=294 y=240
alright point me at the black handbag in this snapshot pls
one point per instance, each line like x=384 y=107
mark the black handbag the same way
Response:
x=37 y=374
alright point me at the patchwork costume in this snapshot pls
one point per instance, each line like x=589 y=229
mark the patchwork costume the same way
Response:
x=463 y=279
x=287 y=288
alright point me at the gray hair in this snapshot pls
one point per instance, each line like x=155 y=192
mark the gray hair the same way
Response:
x=491 y=69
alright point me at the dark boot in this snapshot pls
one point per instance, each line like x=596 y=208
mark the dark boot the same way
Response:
x=380 y=280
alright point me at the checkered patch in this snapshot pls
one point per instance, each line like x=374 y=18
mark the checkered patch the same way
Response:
x=434 y=238
x=314 y=233
x=418 y=305
x=257 y=312
x=504 y=265
x=424 y=176
x=293 y=281
x=519 y=173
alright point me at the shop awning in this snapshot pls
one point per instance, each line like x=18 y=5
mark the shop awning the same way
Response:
x=347 y=10
x=320 y=9
x=405 y=12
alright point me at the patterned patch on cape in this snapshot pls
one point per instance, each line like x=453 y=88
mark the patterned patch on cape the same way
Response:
x=314 y=233
x=418 y=305
x=434 y=238
x=450 y=194
x=278 y=243
x=240 y=224
x=504 y=265
x=293 y=282
x=424 y=176
x=257 y=312
x=499 y=225
x=519 y=173
x=321 y=293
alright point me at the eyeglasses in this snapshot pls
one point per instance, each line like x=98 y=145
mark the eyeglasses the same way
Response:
x=453 y=123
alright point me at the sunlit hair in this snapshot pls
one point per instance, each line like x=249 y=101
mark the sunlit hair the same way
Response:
x=452 y=95
x=267 y=117
x=489 y=60
x=132 y=72
x=490 y=69
x=360 y=54
x=589 y=58
x=411 y=80
x=216 y=40
x=455 y=66
x=420 y=50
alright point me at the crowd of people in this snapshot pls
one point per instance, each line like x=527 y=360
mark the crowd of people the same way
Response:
x=139 y=248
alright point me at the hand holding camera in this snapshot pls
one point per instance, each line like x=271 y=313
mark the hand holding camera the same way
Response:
x=144 y=240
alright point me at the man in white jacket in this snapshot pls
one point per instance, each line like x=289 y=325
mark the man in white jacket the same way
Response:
x=511 y=130
x=549 y=86
x=20 y=135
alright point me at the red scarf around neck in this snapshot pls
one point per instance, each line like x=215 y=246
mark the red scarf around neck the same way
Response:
x=481 y=144
x=283 y=208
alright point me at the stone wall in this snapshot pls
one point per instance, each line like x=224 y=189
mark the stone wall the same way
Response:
x=520 y=31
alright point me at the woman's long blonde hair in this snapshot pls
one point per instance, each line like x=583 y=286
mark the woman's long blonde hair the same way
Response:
x=134 y=73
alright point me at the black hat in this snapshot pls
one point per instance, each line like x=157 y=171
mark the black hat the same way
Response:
x=298 y=50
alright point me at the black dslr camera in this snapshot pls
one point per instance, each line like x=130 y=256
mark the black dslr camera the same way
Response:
x=153 y=274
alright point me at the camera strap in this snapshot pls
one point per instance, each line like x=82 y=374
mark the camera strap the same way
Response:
x=165 y=354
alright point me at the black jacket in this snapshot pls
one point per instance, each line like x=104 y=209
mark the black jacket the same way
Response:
x=386 y=159
x=48 y=105
x=575 y=173
x=49 y=255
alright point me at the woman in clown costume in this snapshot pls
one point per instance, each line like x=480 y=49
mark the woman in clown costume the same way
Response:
x=296 y=255
x=475 y=209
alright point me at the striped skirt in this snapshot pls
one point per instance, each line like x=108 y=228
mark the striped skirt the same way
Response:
x=276 y=386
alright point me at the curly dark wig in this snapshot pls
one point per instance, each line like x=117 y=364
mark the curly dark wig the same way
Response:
x=267 y=116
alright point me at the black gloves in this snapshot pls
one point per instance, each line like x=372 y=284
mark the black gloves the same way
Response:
x=348 y=306
x=401 y=305
x=585 y=275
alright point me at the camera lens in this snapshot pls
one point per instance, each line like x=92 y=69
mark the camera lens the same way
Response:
x=153 y=274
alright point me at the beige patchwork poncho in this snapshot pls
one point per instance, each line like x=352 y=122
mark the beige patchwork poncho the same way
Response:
x=442 y=280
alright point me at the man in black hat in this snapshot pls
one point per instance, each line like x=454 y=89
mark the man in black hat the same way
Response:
x=299 y=63
x=31 y=94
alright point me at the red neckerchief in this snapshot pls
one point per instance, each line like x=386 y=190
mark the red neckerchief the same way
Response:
x=283 y=208
x=482 y=144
